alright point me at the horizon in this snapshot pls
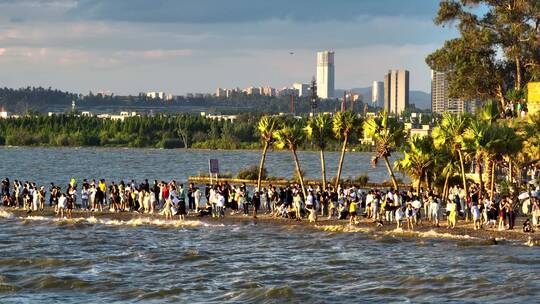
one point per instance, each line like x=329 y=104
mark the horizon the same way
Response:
x=128 y=47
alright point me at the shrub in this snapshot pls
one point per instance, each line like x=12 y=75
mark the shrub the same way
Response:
x=361 y=179
x=251 y=173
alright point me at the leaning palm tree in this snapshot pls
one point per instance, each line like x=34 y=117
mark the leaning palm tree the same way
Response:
x=319 y=130
x=266 y=127
x=388 y=135
x=344 y=125
x=290 y=137
x=450 y=133
x=417 y=158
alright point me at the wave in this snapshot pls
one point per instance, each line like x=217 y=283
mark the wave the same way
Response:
x=431 y=234
x=142 y=221
x=343 y=228
x=6 y=214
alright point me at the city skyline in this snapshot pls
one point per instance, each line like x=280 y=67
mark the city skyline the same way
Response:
x=179 y=47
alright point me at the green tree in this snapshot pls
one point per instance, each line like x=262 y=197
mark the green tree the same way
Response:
x=417 y=158
x=344 y=125
x=267 y=126
x=290 y=137
x=498 y=48
x=450 y=133
x=319 y=130
x=388 y=135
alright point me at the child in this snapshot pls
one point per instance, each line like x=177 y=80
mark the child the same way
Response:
x=399 y=217
x=410 y=214
x=62 y=204
x=452 y=214
x=353 y=206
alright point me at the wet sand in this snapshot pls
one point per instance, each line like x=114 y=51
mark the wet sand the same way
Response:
x=464 y=231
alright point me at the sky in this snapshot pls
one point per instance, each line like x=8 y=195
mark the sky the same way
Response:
x=181 y=46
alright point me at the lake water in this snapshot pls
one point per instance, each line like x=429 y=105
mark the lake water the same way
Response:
x=58 y=165
x=45 y=260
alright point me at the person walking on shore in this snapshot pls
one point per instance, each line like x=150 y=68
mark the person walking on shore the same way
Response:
x=452 y=215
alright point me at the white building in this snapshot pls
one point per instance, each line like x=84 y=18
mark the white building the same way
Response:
x=325 y=74
x=396 y=91
x=3 y=113
x=377 y=94
x=221 y=92
x=156 y=95
x=302 y=88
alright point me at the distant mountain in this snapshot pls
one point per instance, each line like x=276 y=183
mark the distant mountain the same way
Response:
x=420 y=99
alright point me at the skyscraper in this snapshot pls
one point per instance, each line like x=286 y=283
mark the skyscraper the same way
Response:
x=377 y=97
x=441 y=101
x=325 y=74
x=396 y=91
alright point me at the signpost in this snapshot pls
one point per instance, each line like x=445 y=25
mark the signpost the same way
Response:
x=533 y=97
x=213 y=168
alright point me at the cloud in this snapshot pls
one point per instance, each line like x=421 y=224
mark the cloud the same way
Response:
x=240 y=11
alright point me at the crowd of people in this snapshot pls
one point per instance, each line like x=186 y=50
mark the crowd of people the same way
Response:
x=344 y=203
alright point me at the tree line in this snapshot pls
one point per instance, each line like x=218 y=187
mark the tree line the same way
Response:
x=152 y=131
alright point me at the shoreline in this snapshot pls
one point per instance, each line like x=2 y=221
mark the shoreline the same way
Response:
x=463 y=233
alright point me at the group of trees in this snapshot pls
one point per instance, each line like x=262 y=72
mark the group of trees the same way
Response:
x=485 y=141
x=497 y=52
x=157 y=131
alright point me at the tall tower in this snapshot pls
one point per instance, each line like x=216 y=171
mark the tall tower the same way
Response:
x=325 y=74
x=377 y=94
x=440 y=99
x=396 y=91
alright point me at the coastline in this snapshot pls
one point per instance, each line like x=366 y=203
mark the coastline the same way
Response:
x=464 y=233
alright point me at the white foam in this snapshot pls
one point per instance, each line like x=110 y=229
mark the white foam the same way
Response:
x=428 y=234
x=6 y=214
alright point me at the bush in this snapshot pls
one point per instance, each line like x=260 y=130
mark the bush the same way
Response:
x=361 y=179
x=251 y=173
x=169 y=143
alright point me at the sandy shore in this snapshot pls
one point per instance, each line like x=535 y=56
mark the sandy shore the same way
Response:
x=464 y=230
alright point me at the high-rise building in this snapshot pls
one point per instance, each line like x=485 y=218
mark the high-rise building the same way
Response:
x=302 y=88
x=325 y=74
x=221 y=92
x=377 y=97
x=396 y=91
x=442 y=102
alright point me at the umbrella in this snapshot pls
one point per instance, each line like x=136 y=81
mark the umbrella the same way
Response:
x=523 y=195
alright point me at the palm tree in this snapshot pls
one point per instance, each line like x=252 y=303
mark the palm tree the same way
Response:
x=450 y=133
x=417 y=158
x=343 y=125
x=319 y=129
x=477 y=140
x=289 y=137
x=388 y=135
x=505 y=142
x=266 y=127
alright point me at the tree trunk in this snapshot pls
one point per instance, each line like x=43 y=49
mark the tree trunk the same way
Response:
x=463 y=177
x=492 y=187
x=261 y=165
x=518 y=73
x=445 y=189
x=299 y=172
x=341 y=159
x=391 y=173
x=323 y=170
x=479 y=172
x=426 y=180
x=419 y=183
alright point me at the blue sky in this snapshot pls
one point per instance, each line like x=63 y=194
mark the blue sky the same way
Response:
x=180 y=46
